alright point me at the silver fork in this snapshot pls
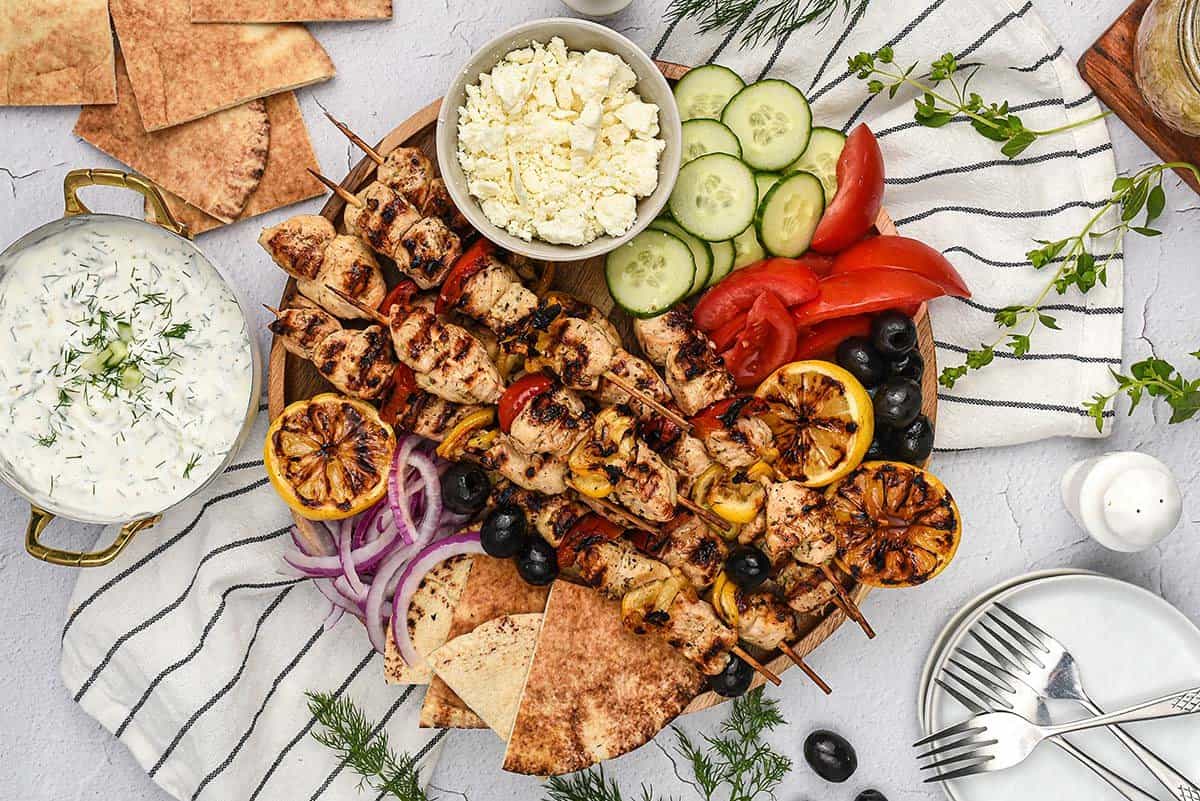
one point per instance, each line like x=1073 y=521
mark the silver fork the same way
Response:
x=980 y=694
x=999 y=740
x=1029 y=657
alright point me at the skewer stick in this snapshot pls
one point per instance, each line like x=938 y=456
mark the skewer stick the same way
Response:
x=337 y=189
x=759 y=667
x=673 y=417
x=371 y=152
x=272 y=310
x=621 y=514
x=372 y=314
x=808 y=671
x=847 y=605
x=707 y=515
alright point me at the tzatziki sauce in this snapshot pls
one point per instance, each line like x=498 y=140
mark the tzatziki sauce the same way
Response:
x=127 y=369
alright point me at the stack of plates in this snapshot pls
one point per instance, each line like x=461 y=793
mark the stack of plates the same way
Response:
x=1130 y=644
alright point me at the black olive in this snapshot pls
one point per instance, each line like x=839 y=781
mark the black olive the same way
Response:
x=504 y=532
x=910 y=365
x=914 y=442
x=897 y=403
x=893 y=333
x=861 y=360
x=538 y=564
x=830 y=755
x=870 y=795
x=465 y=488
x=734 y=680
x=747 y=567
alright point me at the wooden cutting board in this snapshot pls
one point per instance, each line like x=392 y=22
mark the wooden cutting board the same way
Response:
x=1108 y=67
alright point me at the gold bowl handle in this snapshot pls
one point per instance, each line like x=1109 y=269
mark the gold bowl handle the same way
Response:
x=40 y=518
x=77 y=179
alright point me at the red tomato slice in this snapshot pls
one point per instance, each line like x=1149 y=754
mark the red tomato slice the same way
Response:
x=859 y=196
x=864 y=292
x=724 y=413
x=821 y=341
x=903 y=253
x=518 y=395
x=401 y=295
x=404 y=383
x=727 y=334
x=792 y=281
x=469 y=263
x=768 y=341
x=590 y=528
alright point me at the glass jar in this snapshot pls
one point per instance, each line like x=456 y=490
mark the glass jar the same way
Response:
x=1167 y=62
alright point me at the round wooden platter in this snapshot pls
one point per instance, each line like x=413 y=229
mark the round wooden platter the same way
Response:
x=291 y=378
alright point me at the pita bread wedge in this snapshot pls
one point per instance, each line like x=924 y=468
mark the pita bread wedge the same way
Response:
x=429 y=617
x=493 y=589
x=288 y=10
x=487 y=667
x=214 y=163
x=595 y=689
x=182 y=71
x=56 y=53
x=285 y=180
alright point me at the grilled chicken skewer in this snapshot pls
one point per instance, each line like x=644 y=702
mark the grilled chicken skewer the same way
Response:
x=357 y=362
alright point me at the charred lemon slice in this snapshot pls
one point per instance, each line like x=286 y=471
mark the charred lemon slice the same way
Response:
x=822 y=420
x=898 y=526
x=328 y=457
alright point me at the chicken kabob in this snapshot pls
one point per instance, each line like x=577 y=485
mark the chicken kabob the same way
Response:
x=739 y=439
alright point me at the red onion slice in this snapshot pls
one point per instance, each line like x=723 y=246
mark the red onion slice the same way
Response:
x=463 y=543
x=345 y=536
x=395 y=490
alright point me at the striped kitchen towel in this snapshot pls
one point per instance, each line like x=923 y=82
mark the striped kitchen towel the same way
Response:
x=953 y=189
x=196 y=652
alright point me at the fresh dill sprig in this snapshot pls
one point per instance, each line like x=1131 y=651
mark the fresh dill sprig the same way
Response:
x=1156 y=378
x=1139 y=195
x=769 y=21
x=46 y=440
x=935 y=108
x=364 y=748
x=178 y=331
x=589 y=785
x=191 y=465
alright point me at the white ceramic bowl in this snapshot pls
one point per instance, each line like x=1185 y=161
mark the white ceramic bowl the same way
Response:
x=578 y=35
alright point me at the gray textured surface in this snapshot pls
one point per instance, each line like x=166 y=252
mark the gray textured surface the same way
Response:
x=51 y=750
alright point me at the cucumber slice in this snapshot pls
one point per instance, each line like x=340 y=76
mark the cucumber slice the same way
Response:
x=702 y=254
x=650 y=273
x=714 y=197
x=773 y=122
x=701 y=137
x=789 y=214
x=723 y=257
x=764 y=181
x=704 y=91
x=821 y=158
x=747 y=249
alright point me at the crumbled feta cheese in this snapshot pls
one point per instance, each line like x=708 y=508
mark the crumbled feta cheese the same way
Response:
x=557 y=145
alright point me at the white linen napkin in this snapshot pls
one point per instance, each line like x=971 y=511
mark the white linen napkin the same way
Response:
x=196 y=652
x=953 y=189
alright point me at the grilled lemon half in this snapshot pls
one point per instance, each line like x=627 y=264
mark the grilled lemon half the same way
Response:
x=328 y=457
x=898 y=525
x=822 y=419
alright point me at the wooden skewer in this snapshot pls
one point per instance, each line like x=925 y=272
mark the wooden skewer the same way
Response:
x=621 y=514
x=272 y=310
x=372 y=314
x=674 y=417
x=846 y=603
x=808 y=671
x=358 y=141
x=337 y=189
x=759 y=667
x=707 y=515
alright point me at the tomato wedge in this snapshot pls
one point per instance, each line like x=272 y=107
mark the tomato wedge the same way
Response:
x=792 y=281
x=768 y=341
x=401 y=295
x=859 y=197
x=864 y=292
x=821 y=341
x=588 y=530
x=404 y=383
x=724 y=413
x=518 y=395
x=902 y=253
x=472 y=261
x=727 y=334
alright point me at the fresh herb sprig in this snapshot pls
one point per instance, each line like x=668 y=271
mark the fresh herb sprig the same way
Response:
x=936 y=107
x=364 y=748
x=1078 y=264
x=735 y=761
x=758 y=21
x=1156 y=378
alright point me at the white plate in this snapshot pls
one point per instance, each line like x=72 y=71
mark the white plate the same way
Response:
x=1131 y=645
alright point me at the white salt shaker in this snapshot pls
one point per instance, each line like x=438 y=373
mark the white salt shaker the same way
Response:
x=597 y=8
x=1127 y=501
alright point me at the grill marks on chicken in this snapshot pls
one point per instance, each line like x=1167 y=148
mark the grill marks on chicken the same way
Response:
x=447 y=360
x=800 y=524
x=359 y=363
x=553 y=422
x=408 y=172
x=349 y=267
x=429 y=251
x=301 y=329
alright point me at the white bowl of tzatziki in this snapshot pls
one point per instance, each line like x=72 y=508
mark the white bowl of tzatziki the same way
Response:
x=129 y=377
